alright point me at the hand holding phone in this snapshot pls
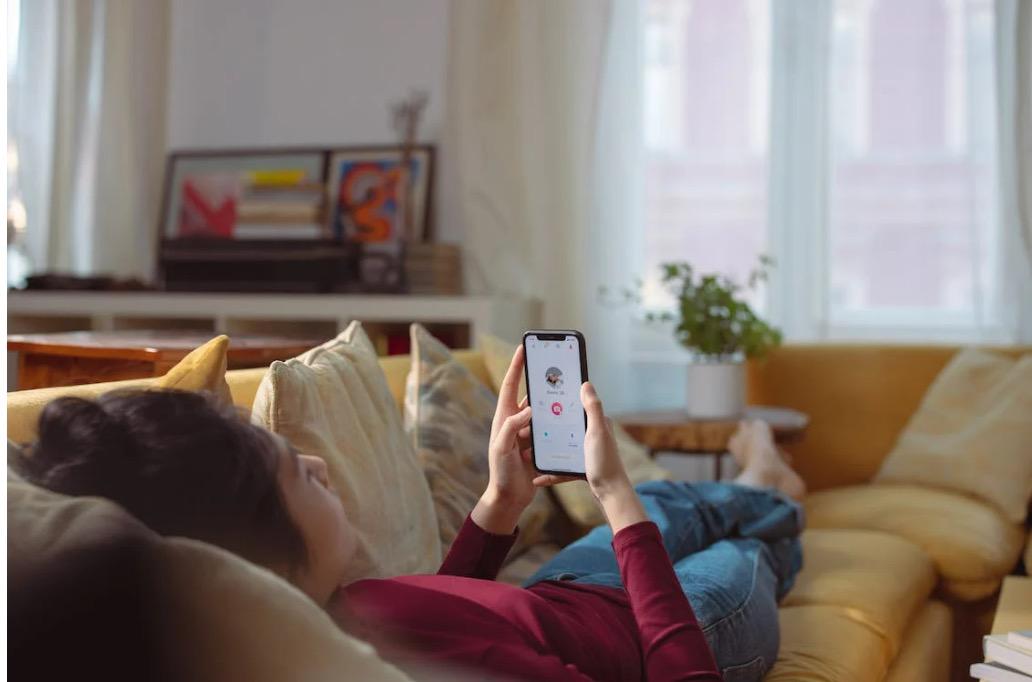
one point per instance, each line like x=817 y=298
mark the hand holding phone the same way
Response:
x=556 y=366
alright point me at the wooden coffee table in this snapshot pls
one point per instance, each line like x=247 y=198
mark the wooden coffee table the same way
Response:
x=676 y=431
x=72 y=358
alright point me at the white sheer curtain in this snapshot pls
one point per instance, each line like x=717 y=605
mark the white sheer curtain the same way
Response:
x=542 y=121
x=87 y=126
x=1014 y=88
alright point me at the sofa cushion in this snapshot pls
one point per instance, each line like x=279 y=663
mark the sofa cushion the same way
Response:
x=972 y=545
x=575 y=496
x=826 y=644
x=972 y=433
x=231 y=620
x=77 y=583
x=880 y=580
x=203 y=369
x=243 y=385
x=922 y=657
x=332 y=402
x=118 y=602
x=448 y=413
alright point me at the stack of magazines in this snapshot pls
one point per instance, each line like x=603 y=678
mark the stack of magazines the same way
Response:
x=1008 y=658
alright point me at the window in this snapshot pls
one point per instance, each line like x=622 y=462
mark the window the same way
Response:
x=910 y=238
x=912 y=208
x=706 y=82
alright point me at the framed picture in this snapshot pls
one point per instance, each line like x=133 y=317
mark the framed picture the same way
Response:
x=245 y=195
x=365 y=203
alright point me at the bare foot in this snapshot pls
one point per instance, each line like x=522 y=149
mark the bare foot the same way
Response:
x=762 y=463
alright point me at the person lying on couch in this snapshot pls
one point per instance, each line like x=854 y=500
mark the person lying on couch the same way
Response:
x=682 y=584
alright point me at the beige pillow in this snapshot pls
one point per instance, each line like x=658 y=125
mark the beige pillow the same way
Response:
x=333 y=402
x=214 y=615
x=972 y=433
x=448 y=413
x=575 y=496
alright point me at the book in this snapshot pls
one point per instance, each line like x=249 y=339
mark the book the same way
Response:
x=275 y=212
x=993 y=672
x=299 y=189
x=276 y=177
x=277 y=231
x=1021 y=639
x=999 y=650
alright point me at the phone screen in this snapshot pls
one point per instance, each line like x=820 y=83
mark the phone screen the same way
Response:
x=553 y=389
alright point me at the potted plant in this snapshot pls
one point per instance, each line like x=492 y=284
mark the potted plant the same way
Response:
x=720 y=329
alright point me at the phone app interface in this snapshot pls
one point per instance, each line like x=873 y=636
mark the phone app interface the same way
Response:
x=554 y=381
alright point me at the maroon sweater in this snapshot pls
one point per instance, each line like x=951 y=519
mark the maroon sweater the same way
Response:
x=550 y=631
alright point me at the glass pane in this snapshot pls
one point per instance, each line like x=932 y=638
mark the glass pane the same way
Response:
x=706 y=82
x=912 y=238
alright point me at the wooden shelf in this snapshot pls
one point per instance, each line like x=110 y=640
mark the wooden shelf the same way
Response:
x=30 y=311
x=278 y=250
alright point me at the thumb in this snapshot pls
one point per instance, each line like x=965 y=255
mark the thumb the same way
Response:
x=593 y=406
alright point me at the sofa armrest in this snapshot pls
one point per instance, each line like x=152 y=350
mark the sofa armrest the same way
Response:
x=858 y=396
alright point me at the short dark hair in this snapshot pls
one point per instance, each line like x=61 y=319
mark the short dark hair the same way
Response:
x=179 y=462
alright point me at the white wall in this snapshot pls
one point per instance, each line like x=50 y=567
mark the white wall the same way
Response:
x=282 y=72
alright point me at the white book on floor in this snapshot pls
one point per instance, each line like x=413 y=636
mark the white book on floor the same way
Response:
x=994 y=672
x=999 y=650
x=1021 y=639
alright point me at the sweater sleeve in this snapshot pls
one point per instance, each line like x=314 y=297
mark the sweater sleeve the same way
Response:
x=475 y=553
x=673 y=645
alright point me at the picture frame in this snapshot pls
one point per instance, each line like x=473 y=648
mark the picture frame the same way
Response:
x=362 y=200
x=245 y=195
x=272 y=218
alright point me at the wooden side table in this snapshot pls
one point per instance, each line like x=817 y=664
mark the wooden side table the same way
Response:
x=675 y=431
x=72 y=358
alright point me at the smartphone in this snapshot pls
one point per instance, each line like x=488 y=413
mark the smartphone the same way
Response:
x=556 y=366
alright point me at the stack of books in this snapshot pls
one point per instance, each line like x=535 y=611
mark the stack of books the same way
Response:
x=281 y=204
x=433 y=269
x=1008 y=658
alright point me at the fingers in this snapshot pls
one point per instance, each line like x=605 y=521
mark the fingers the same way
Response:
x=593 y=406
x=545 y=480
x=524 y=402
x=512 y=426
x=511 y=383
x=523 y=438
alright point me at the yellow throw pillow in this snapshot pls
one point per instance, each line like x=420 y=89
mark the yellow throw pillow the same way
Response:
x=204 y=369
x=972 y=433
x=333 y=402
x=575 y=496
x=448 y=413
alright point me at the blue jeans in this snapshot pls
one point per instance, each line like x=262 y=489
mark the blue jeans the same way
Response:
x=735 y=551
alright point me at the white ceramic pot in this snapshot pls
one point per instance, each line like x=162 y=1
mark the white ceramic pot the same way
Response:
x=716 y=389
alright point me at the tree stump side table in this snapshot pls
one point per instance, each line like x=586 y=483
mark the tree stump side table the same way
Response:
x=675 y=431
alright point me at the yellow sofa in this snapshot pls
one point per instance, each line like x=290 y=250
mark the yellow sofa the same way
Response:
x=887 y=569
